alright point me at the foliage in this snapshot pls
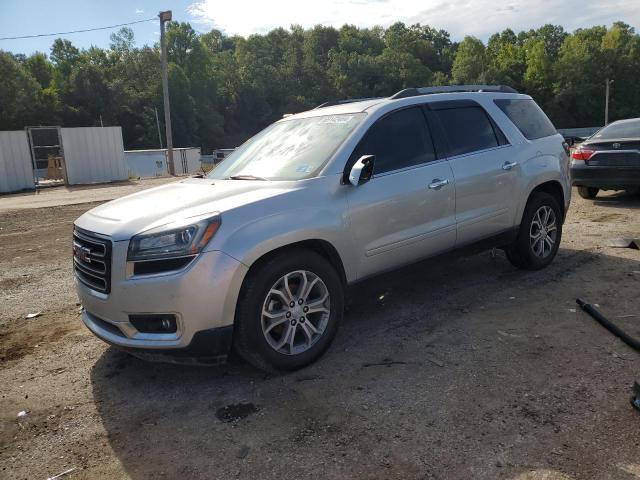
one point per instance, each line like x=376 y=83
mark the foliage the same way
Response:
x=226 y=88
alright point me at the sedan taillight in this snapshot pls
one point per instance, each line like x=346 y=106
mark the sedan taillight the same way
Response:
x=582 y=153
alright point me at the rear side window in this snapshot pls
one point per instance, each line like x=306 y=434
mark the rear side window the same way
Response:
x=624 y=129
x=528 y=117
x=399 y=140
x=468 y=129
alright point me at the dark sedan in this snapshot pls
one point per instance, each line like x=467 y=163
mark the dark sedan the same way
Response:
x=608 y=160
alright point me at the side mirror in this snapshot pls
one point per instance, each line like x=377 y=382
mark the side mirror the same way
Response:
x=362 y=170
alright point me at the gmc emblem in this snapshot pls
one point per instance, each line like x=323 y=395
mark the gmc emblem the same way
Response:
x=616 y=145
x=82 y=253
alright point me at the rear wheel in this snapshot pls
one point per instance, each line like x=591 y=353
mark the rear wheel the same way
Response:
x=539 y=235
x=288 y=311
x=588 y=192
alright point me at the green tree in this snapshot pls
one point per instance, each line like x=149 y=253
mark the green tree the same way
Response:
x=470 y=64
x=226 y=88
x=183 y=112
x=122 y=40
x=19 y=94
x=40 y=68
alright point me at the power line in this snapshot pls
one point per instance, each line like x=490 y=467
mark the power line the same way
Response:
x=78 y=31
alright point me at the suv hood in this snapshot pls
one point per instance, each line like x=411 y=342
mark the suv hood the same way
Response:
x=127 y=216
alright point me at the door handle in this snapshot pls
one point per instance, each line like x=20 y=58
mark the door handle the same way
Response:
x=509 y=165
x=437 y=184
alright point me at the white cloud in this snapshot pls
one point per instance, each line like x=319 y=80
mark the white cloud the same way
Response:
x=139 y=11
x=460 y=17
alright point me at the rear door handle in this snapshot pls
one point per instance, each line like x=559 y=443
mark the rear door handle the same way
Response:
x=509 y=165
x=437 y=184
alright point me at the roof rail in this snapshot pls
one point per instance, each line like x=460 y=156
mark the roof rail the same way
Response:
x=331 y=103
x=413 y=92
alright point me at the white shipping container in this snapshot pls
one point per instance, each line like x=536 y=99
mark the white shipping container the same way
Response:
x=93 y=154
x=16 y=170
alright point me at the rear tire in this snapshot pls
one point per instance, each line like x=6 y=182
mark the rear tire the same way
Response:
x=588 y=193
x=539 y=234
x=277 y=326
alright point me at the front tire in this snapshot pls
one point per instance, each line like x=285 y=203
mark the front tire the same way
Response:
x=288 y=311
x=539 y=235
x=588 y=193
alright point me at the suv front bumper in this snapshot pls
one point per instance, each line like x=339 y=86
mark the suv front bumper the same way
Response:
x=202 y=297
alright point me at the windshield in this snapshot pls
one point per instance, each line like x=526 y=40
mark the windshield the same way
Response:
x=288 y=150
x=626 y=129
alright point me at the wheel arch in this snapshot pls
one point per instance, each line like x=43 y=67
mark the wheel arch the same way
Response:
x=322 y=247
x=553 y=188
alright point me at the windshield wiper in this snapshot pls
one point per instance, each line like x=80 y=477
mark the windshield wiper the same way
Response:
x=245 y=177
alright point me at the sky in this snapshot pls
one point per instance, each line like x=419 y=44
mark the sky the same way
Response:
x=480 y=18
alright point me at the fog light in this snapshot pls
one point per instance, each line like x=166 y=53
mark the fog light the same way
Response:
x=154 y=323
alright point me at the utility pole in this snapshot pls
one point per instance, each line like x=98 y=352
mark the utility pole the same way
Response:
x=606 y=101
x=158 y=125
x=166 y=17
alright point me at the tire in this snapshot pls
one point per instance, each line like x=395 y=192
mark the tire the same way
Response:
x=526 y=252
x=256 y=339
x=588 y=193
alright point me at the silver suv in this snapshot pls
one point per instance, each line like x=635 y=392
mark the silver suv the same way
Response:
x=256 y=256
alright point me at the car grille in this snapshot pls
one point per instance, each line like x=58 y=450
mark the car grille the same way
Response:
x=615 y=159
x=92 y=260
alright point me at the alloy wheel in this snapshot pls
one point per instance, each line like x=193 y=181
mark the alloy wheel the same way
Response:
x=543 y=231
x=295 y=312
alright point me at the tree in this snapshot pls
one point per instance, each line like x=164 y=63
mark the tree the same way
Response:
x=123 y=40
x=64 y=55
x=469 y=66
x=40 y=68
x=19 y=94
x=225 y=88
x=183 y=114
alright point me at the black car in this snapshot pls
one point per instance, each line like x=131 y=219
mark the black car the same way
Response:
x=608 y=160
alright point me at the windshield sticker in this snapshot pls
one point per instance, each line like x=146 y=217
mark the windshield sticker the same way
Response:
x=304 y=168
x=337 y=119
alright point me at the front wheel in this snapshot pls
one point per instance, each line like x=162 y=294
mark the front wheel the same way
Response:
x=539 y=235
x=588 y=193
x=288 y=311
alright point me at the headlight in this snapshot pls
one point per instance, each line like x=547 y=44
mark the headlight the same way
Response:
x=173 y=242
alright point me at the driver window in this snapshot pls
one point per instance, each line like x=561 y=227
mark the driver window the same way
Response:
x=398 y=140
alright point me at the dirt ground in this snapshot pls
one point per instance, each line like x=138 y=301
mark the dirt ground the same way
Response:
x=454 y=368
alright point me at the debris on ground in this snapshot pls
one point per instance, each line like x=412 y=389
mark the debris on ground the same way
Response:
x=33 y=315
x=243 y=452
x=435 y=361
x=633 y=243
x=506 y=334
x=23 y=413
x=606 y=323
x=235 y=411
x=635 y=400
x=66 y=472
x=386 y=362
